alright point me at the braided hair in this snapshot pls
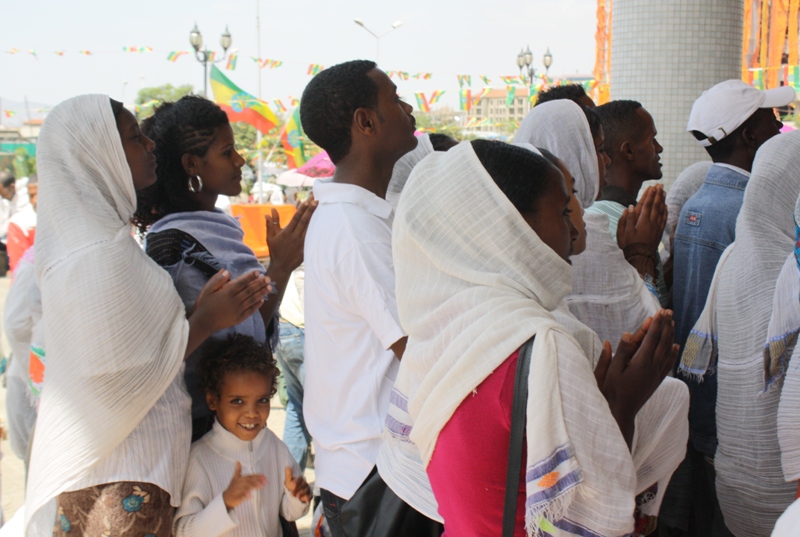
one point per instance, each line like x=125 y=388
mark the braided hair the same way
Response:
x=189 y=125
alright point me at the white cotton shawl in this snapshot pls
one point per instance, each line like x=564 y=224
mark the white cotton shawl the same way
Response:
x=608 y=294
x=561 y=127
x=784 y=323
x=684 y=187
x=661 y=428
x=785 y=320
x=116 y=327
x=750 y=480
x=402 y=168
x=471 y=295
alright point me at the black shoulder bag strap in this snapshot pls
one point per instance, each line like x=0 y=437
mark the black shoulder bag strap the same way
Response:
x=518 y=411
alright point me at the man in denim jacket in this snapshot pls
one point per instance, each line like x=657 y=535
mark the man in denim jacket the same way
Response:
x=731 y=120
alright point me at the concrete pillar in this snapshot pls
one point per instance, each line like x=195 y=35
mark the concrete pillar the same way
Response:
x=664 y=54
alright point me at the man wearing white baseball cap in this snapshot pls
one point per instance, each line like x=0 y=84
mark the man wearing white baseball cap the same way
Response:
x=731 y=120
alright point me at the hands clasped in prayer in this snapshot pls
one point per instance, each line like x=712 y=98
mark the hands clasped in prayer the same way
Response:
x=629 y=377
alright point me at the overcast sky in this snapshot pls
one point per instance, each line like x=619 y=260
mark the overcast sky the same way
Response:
x=443 y=37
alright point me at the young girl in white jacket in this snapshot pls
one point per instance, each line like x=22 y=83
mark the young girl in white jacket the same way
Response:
x=241 y=476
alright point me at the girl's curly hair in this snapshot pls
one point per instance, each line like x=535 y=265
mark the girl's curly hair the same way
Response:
x=235 y=353
x=188 y=125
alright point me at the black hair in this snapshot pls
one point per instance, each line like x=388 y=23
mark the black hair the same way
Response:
x=620 y=119
x=235 y=353
x=7 y=178
x=442 y=142
x=724 y=148
x=554 y=160
x=595 y=125
x=116 y=108
x=521 y=174
x=188 y=125
x=571 y=92
x=330 y=100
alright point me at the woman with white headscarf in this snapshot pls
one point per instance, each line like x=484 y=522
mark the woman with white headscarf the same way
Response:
x=729 y=339
x=470 y=296
x=662 y=427
x=112 y=437
x=782 y=356
x=608 y=294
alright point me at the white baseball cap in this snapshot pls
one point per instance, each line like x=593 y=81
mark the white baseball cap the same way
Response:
x=722 y=109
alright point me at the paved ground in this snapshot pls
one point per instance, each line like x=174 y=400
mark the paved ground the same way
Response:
x=12 y=469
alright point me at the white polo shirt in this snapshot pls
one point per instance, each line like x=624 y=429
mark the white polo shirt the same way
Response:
x=351 y=321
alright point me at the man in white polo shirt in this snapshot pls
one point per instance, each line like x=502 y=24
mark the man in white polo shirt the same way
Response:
x=353 y=336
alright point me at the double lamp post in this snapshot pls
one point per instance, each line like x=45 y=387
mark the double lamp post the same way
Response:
x=206 y=56
x=525 y=63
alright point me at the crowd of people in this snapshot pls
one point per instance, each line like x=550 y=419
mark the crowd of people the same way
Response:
x=477 y=338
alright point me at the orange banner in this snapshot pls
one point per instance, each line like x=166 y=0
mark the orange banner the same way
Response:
x=777 y=41
x=794 y=9
x=251 y=217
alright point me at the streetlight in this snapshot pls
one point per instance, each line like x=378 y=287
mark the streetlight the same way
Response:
x=377 y=37
x=525 y=63
x=547 y=60
x=204 y=56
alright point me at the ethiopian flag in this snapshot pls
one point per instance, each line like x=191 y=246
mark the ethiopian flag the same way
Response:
x=422 y=103
x=241 y=106
x=292 y=141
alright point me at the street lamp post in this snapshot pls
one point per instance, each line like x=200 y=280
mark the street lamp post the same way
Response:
x=205 y=56
x=377 y=37
x=525 y=63
x=547 y=60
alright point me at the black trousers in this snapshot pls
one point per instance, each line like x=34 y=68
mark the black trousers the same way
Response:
x=375 y=511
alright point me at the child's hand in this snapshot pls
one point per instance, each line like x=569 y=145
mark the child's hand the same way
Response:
x=241 y=486
x=297 y=486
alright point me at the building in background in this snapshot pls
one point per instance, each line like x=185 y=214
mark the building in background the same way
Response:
x=30 y=129
x=493 y=113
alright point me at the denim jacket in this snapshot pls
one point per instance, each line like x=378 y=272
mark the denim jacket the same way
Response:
x=706 y=226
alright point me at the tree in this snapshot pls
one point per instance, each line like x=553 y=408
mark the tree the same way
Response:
x=147 y=98
x=244 y=136
x=24 y=164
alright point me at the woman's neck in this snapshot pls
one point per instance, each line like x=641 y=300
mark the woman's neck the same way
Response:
x=206 y=201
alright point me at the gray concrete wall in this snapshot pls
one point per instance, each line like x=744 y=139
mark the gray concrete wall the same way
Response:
x=664 y=54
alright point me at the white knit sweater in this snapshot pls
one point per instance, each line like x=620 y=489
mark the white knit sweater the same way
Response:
x=212 y=462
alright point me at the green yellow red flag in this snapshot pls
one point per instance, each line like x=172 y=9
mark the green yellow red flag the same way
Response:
x=241 y=106
x=292 y=141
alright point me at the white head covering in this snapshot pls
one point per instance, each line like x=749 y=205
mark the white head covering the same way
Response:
x=116 y=327
x=471 y=296
x=561 y=127
x=402 y=168
x=750 y=482
x=684 y=187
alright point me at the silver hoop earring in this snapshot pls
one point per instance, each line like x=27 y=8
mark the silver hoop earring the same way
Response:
x=199 y=183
